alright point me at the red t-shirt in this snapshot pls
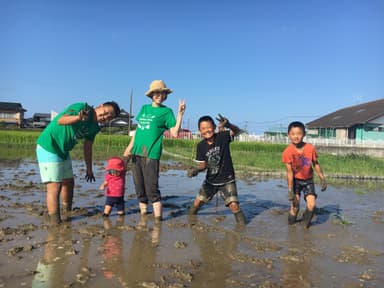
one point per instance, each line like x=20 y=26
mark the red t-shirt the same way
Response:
x=301 y=161
x=116 y=185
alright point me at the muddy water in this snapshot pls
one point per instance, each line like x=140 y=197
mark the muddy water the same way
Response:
x=343 y=248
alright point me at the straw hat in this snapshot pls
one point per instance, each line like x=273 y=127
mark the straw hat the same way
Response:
x=157 y=85
x=115 y=163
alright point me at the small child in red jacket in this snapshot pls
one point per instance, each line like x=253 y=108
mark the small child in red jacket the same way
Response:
x=114 y=181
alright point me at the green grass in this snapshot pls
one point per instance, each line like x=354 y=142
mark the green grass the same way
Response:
x=247 y=156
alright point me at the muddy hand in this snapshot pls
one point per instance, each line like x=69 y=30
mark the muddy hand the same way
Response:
x=323 y=185
x=291 y=195
x=83 y=115
x=192 y=172
x=224 y=122
x=89 y=177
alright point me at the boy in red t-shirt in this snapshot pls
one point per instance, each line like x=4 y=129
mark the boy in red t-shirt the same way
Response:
x=114 y=181
x=300 y=158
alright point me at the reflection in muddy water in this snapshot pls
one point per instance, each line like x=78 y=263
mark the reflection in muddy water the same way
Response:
x=112 y=249
x=141 y=267
x=297 y=261
x=217 y=253
x=51 y=268
x=343 y=247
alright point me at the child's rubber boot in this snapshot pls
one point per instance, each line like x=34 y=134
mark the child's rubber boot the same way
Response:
x=240 y=218
x=307 y=217
x=157 y=211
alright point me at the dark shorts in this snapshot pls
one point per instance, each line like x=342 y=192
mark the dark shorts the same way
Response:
x=115 y=201
x=146 y=178
x=305 y=186
x=228 y=192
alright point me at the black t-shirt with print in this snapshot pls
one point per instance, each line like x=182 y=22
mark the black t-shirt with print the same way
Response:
x=218 y=158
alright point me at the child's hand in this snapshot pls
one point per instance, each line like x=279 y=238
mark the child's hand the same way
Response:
x=223 y=122
x=192 y=172
x=323 y=185
x=182 y=106
x=126 y=160
x=291 y=195
x=103 y=185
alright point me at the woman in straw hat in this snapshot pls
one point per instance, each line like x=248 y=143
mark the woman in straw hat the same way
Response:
x=145 y=147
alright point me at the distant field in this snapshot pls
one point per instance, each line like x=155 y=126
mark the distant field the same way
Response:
x=248 y=157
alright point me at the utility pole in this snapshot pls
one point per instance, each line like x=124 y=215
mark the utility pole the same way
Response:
x=130 y=113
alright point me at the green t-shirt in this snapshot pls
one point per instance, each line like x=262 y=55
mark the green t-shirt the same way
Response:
x=151 y=124
x=60 y=139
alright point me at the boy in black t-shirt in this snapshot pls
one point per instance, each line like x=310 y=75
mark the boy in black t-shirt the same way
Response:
x=213 y=154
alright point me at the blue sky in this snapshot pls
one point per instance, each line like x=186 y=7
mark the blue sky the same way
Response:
x=260 y=63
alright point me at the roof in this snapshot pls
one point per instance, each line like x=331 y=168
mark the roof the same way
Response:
x=351 y=116
x=11 y=106
x=42 y=115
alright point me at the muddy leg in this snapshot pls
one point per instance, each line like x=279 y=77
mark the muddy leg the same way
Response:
x=307 y=217
x=52 y=199
x=310 y=211
x=294 y=211
x=240 y=218
x=67 y=198
x=195 y=207
x=239 y=215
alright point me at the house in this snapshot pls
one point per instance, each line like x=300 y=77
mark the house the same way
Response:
x=122 y=120
x=12 y=113
x=41 y=120
x=363 y=122
x=183 y=134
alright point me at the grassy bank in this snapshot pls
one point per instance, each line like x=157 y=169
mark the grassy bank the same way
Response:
x=250 y=157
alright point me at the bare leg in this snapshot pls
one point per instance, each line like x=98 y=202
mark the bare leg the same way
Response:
x=311 y=202
x=157 y=210
x=143 y=208
x=107 y=210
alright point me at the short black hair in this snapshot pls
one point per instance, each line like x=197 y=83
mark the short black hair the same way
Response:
x=296 y=124
x=206 y=118
x=115 y=107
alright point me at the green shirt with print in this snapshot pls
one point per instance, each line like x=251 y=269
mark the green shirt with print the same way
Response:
x=60 y=139
x=151 y=124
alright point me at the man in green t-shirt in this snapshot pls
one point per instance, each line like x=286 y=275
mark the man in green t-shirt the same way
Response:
x=76 y=122
x=145 y=146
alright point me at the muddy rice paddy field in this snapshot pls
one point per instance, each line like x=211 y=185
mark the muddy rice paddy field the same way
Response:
x=343 y=248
